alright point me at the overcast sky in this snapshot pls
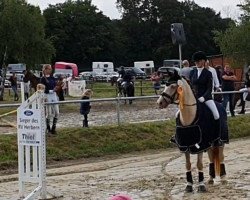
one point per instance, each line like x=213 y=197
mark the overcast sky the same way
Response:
x=227 y=8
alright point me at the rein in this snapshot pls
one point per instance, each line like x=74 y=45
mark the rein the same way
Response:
x=171 y=98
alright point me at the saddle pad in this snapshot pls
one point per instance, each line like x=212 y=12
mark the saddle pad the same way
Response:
x=188 y=136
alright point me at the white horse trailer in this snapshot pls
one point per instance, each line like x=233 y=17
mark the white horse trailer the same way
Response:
x=146 y=66
x=102 y=67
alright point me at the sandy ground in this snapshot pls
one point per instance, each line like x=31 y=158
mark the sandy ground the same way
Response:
x=144 y=176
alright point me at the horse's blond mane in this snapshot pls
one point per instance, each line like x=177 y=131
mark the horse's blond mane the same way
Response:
x=189 y=97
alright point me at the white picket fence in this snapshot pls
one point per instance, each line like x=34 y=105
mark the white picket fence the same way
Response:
x=31 y=129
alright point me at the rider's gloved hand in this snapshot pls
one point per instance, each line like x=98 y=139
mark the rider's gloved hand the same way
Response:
x=201 y=99
x=218 y=89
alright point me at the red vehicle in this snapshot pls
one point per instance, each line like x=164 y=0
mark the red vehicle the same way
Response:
x=66 y=68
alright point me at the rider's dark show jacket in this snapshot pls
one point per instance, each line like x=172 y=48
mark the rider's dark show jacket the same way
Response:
x=202 y=86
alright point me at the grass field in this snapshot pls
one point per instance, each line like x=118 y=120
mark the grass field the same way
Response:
x=77 y=143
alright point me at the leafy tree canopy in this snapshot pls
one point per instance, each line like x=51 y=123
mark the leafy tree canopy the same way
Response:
x=22 y=34
x=80 y=33
x=235 y=41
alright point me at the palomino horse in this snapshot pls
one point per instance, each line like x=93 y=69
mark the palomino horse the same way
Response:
x=126 y=89
x=196 y=131
x=34 y=80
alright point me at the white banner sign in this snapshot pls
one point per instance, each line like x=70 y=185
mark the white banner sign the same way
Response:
x=76 y=88
x=29 y=127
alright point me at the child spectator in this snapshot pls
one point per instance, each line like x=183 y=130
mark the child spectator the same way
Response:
x=85 y=106
x=155 y=78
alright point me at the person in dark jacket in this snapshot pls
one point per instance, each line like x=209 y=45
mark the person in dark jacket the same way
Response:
x=202 y=83
x=13 y=81
x=246 y=91
x=228 y=79
x=85 y=106
x=122 y=72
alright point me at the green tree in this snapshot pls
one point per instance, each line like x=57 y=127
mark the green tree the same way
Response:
x=22 y=36
x=146 y=24
x=235 y=41
x=80 y=33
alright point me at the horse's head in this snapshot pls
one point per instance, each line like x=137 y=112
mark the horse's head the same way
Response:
x=40 y=87
x=168 y=96
x=172 y=93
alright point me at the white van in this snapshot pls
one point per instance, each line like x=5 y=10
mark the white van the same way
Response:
x=102 y=67
x=146 y=66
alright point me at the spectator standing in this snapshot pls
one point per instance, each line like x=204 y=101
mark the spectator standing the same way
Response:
x=185 y=71
x=52 y=111
x=65 y=85
x=155 y=78
x=26 y=85
x=246 y=91
x=216 y=83
x=219 y=71
x=85 y=106
x=13 y=81
x=59 y=88
x=228 y=79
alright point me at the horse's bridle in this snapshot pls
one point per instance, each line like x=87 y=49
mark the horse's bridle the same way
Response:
x=167 y=96
x=171 y=98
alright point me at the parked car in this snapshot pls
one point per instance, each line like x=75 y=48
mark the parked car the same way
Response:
x=7 y=83
x=168 y=73
x=107 y=76
x=88 y=75
x=171 y=63
x=136 y=72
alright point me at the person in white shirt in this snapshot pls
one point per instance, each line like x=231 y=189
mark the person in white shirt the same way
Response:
x=216 y=83
x=185 y=71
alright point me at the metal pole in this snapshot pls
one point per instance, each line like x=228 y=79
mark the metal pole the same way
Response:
x=141 y=87
x=22 y=92
x=118 y=110
x=180 y=56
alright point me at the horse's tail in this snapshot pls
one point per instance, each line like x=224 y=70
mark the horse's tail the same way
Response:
x=216 y=156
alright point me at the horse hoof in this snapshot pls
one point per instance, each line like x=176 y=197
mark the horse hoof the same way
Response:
x=210 y=181
x=202 y=188
x=223 y=180
x=189 y=189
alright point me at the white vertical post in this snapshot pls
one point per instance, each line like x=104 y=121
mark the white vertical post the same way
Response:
x=22 y=92
x=180 y=56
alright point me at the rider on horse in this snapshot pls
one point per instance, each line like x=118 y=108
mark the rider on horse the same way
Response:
x=202 y=82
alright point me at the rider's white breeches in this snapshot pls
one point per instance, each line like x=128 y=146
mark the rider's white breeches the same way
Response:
x=246 y=91
x=52 y=110
x=211 y=105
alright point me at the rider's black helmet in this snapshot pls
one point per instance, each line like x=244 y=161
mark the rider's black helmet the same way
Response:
x=199 y=55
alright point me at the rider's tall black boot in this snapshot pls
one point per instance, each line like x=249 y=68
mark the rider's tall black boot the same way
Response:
x=243 y=108
x=53 y=130
x=86 y=123
x=48 y=125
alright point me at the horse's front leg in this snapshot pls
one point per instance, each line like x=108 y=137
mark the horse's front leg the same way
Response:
x=189 y=178
x=201 y=186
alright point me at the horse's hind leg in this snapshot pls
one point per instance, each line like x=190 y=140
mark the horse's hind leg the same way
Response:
x=201 y=186
x=222 y=166
x=189 y=186
x=211 y=166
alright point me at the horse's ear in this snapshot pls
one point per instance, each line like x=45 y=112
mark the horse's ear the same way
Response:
x=179 y=82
